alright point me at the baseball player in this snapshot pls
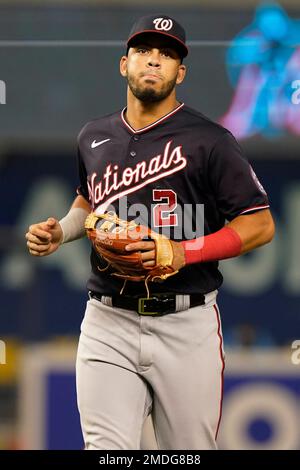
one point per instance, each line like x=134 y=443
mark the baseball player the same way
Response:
x=160 y=353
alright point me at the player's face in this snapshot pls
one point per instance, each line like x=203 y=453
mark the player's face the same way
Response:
x=152 y=69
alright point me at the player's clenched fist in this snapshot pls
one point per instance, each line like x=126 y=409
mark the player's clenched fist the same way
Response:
x=44 y=238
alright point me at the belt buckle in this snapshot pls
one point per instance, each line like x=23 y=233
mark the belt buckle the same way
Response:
x=141 y=306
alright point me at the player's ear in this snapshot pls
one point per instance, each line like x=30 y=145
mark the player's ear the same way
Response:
x=123 y=66
x=181 y=74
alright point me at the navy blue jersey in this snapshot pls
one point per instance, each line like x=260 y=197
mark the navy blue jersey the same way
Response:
x=183 y=174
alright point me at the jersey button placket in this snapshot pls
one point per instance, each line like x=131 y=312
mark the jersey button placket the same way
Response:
x=133 y=145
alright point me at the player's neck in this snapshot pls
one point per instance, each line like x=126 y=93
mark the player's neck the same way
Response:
x=139 y=114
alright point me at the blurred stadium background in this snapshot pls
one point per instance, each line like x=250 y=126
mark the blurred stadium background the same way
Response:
x=59 y=69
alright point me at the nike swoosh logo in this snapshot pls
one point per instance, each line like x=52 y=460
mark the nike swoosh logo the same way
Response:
x=96 y=144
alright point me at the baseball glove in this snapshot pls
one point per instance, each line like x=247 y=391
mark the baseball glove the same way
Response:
x=109 y=235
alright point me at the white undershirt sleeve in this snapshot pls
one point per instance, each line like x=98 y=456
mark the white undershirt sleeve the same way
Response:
x=72 y=224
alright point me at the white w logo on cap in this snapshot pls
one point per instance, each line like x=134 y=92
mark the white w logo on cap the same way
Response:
x=163 y=24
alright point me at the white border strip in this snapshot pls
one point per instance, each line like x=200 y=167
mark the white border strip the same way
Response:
x=113 y=43
x=36 y=362
x=56 y=43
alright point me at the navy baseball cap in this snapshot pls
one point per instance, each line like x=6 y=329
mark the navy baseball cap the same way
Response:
x=160 y=24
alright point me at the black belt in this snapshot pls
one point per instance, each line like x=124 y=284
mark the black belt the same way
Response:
x=158 y=304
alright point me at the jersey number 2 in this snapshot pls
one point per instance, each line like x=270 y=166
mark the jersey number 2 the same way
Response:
x=162 y=216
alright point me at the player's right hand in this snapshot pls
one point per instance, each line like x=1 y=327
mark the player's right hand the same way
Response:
x=44 y=238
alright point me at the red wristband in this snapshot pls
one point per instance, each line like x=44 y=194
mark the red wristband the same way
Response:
x=225 y=243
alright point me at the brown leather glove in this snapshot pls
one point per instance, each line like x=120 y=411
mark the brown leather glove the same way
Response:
x=110 y=235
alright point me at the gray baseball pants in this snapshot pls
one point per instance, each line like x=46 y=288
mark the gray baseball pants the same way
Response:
x=170 y=366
